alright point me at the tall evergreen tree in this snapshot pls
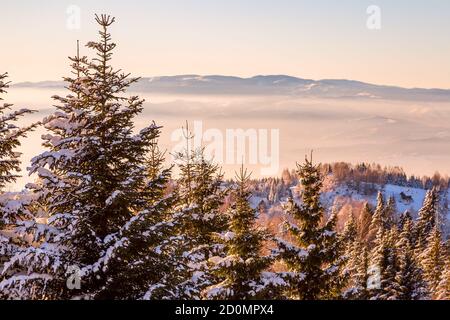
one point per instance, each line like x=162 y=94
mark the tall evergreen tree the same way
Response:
x=349 y=244
x=390 y=272
x=404 y=218
x=433 y=259
x=443 y=288
x=350 y=232
x=383 y=263
x=313 y=258
x=427 y=219
x=378 y=219
x=362 y=276
x=357 y=263
x=201 y=195
x=409 y=281
x=359 y=278
x=107 y=218
x=390 y=213
x=245 y=267
x=364 y=221
x=10 y=134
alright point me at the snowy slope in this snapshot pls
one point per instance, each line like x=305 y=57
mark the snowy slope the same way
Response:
x=388 y=190
x=345 y=199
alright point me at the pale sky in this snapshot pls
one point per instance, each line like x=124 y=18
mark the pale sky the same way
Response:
x=309 y=39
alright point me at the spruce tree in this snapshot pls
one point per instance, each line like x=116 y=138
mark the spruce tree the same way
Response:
x=364 y=221
x=443 y=288
x=359 y=278
x=244 y=269
x=350 y=232
x=390 y=213
x=383 y=264
x=10 y=134
x=108 y=219
x=409 y=281
x=427 y=219
x=404 y=218
x=349 y=244
x=362 y=276
x=432 y=260
x=201 y=194
x=378 y=218
x=11 y=217
x=356 y=262
x=312 y=259
x=388 y=276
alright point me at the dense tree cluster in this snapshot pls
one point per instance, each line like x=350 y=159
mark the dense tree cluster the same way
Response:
x=105 y=219
x=365 y=176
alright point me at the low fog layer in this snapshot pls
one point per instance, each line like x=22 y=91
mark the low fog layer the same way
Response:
x=411 y=134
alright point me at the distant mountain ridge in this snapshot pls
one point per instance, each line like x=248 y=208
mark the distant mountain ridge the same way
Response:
x=270 y=85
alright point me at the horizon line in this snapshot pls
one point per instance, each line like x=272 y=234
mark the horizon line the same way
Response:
x=251 y=77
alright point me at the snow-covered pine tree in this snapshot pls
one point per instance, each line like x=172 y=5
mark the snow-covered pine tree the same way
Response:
x=406 y=226
x=142 y=261
x=108 y=219
x=432 y=260
x=443 y=208
x=201 y=194
x=245 y=266
x=390 y=213
x=357 y=285
x=383 y=263
x=409 y=281
x=443 y=288
x=10 y=134
x=377 y=222
x=362 y=275
x=390 y=271
x=364 y=221
x=404 y=218
x=313 y=259
x=356 y=262
x=350 y=232
x=349 y=243
x=10 y=207
x=427 y=219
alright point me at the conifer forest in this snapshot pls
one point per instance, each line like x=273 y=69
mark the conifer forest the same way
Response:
x=107 y=215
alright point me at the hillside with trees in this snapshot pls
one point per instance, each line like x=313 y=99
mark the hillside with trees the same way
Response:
x=106 y=218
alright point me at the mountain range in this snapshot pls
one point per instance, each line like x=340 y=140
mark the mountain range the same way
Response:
x=270 y=85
